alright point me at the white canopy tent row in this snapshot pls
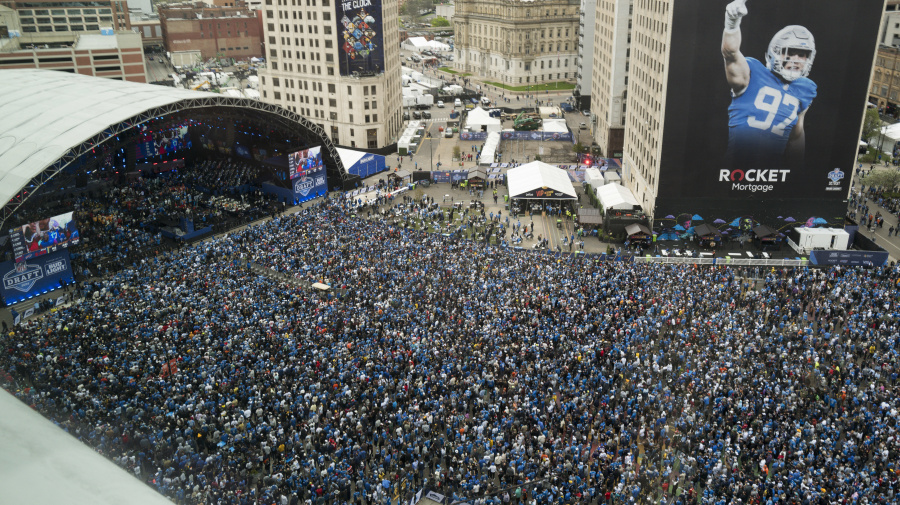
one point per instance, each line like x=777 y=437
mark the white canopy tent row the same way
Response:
x=616 y=197
x=490 y=149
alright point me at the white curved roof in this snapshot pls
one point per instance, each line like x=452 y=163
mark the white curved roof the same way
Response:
x=46 y=112
x=536 y=175
x=40 y=463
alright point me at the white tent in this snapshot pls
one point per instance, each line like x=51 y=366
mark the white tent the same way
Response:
x=417 y=44
x=594 y=177
x=888 y=137
x=490 y=149
x=438 y=46
x=539 y=180
x=478 y=120
x=614 y=196
x=612 y=177
x=555 y=126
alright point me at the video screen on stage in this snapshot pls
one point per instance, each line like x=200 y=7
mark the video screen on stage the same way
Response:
x=305 y=163
x=162 y=142
x=43 y=237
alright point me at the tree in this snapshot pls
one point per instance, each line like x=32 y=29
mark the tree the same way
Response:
x=871 y=125
x=887 y=179
x=440 y=21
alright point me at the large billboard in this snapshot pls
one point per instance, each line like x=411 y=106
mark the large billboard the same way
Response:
x=361 y=36
x=33 y=277
x=764 y=104
x=308 y=178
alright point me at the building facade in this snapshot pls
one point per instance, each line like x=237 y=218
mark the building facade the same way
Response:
x=646 y=98
x=885 y=88
x=612 y=35
x=584 y=62
x=118 y=56
x=223 y=32
x=51 y=16
x=337 y=64
x=517 y=43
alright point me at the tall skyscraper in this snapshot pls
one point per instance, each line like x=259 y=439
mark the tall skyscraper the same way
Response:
x=611 y=35
x=337 y=63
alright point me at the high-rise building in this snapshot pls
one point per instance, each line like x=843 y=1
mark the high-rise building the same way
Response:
x=337 y=63
x=611 y=34
x=584 y=62
x=517 y=43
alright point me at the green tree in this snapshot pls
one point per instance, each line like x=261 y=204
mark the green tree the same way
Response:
x=440 y=21
x=871 y=125
x=887 y=178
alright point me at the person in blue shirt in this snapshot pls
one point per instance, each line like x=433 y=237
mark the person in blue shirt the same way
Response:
x=769 y=102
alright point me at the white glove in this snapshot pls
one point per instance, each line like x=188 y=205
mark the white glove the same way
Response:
x=733 y=14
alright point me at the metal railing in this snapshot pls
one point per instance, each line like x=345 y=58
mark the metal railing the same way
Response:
x=727 y=260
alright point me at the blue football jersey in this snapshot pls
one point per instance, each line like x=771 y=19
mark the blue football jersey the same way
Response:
x=760 y=119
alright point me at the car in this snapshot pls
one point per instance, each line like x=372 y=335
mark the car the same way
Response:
x=474 y=101
x=426 y=114
x=416 y=114
x=567 y=107
x=448 y=133
x=406 y=116
x=440 y=104
x=586 y=112
x=582 y=127
x=150 y=58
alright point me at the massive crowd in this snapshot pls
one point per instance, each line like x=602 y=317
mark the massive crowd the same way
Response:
x=488 y=373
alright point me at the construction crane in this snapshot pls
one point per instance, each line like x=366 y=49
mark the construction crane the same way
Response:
x=195 y=88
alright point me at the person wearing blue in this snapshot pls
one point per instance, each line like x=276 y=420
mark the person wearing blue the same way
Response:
x=769 y=102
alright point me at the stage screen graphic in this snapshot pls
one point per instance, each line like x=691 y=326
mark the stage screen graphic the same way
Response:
x=764 y=105
x=360 y=40
x=43 y=237
x=32 y=277
x=162 y=142
x=307 y=170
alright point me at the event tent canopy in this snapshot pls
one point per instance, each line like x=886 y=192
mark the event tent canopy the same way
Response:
x=540 y=180
x=636 y=228
x=763 y=231
x=615 y=196
x=480 y=120
x=705 y=230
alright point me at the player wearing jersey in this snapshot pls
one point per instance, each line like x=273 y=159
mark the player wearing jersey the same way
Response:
x=769 y=102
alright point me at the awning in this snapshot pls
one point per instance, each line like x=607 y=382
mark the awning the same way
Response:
x=763 y=231
x=400 y=174
x=705 y=230
x=634 y=229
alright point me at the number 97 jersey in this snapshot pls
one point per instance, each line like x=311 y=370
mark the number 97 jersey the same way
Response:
x=760 y=120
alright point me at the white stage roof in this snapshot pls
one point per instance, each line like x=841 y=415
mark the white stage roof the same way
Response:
x=530 y=178
x=41 y=463
x=47 y=112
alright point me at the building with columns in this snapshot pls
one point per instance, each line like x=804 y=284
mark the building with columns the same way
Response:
x=337 y=63
x=517 y=42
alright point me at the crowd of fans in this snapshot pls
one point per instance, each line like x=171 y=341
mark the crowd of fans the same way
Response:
x=491 y=374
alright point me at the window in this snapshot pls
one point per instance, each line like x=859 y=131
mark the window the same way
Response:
x=276 y=82
x=332 y=102
x=349 y=92
x=367 y=118
x=277 y=95
x=351 y=118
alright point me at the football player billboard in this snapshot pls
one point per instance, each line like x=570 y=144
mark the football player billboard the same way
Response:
x=764 y=105
x=360 y=36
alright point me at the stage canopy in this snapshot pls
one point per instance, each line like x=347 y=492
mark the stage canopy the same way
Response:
x=540 y=180
x=41 y=463
x=54 y=118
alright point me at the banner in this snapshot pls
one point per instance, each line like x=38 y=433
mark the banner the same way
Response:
x=360 y=37
x=764 y=105
x=443 y=176
x=32 y=277
x=536 y=135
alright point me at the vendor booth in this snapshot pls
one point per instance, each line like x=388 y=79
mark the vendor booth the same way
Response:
x=708 y=236
x=620 y=209
x=399 y=177
x=638 y=234
x=477 y=178
x=766 y=237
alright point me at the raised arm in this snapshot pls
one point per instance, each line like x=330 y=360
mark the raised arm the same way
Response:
x=737 y=71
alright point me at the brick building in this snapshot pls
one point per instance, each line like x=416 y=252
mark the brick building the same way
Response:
x=225 y=32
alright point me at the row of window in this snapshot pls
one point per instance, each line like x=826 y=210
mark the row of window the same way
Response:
x=63 y=20
x=67 y=28
x=63 y=12
x=882 y=90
